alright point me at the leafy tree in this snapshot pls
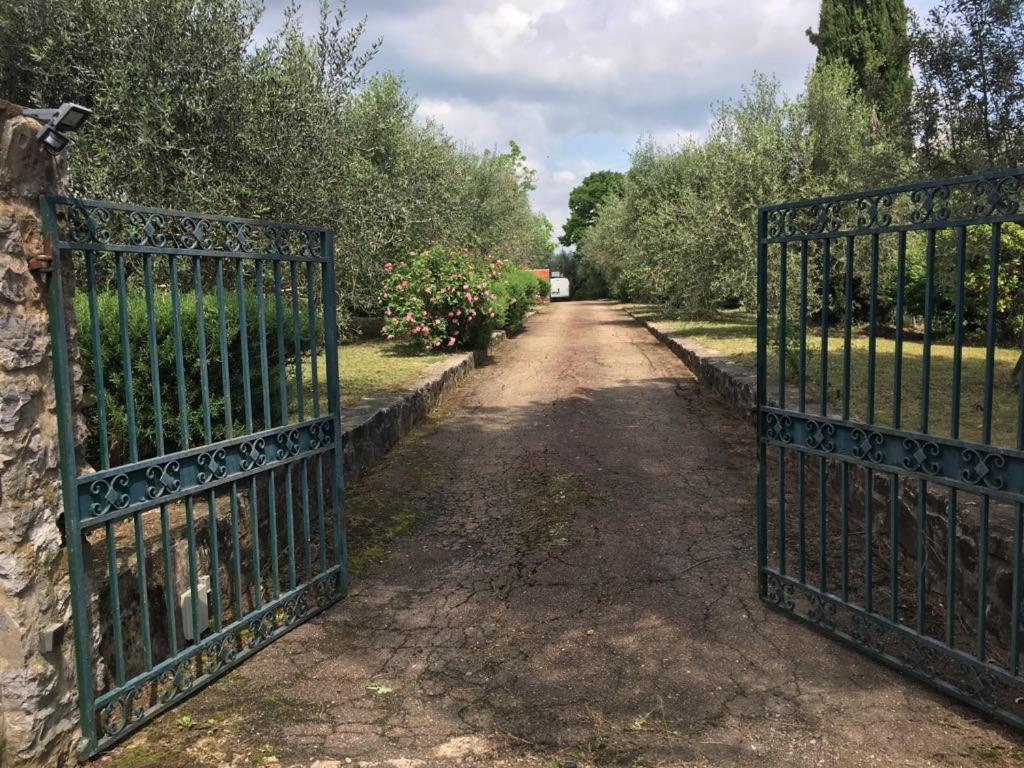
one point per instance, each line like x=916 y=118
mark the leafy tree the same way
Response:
x=871 y=36
x=684 y=227
x=191 y=112
x=969 y=106
x=583 y=203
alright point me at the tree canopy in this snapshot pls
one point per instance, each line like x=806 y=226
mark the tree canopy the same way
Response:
x=969 y=105
x=584 y=201
x=871 y=36
x=191 y=111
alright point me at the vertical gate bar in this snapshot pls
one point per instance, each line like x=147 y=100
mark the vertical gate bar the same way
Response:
x=282 y=376
x=261 y=310
x=1018 y=538
x=68 y=476
x=334 y=407
x=204 y=386
x=897 y=402
x=126 y=361
x=133 y=456
x=303 y=466
x=844 y=469
x=140 y=557
x=225 y=374
x=97 y=360
x=954 y=422
x=802 y=458
x=222 y=328
x=926 y=371
x=762 y=398
x=986 y=434
x=243 y=335
x=869 y=475
x=314 y=376
x=179 y=364
x=826 y=268
x=782 y=404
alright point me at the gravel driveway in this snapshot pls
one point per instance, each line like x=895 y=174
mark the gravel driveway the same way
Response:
x=577 y=585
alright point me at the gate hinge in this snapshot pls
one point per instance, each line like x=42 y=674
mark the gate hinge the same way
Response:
x=43 y=262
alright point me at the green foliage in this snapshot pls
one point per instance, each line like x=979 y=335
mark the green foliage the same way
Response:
x=583 y=203
x=191 y=111
x=443 y=298
x=969 y=105
x=517 y=291
x=683 y=231
x=871 y=37
x=172 y=415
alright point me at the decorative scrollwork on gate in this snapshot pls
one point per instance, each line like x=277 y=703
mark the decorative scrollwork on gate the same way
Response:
x=212 y=465
x=981 y=466
x=287 y=443
x=999 y=197
x=820 y=434
x=868 y=445
x=967 y=200
x=253 y=454
x=921 y=456
x=110 y=494
x=778 y=427
x=163 y=479
x=779 y=592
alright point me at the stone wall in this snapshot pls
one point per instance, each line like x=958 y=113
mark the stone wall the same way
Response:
x=737 y=386
x=37 y=691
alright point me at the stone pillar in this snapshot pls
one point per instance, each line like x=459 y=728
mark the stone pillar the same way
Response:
x=38 y=714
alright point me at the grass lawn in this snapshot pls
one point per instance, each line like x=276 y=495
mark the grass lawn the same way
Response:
x=370 y=367
x=734 y=333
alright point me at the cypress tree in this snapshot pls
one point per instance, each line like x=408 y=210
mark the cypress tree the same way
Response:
x=871 y=36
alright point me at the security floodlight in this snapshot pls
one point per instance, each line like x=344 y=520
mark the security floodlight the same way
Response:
x=68 y=117
x=52 y=140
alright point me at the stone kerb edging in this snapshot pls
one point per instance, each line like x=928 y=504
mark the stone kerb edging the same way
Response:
x=372 y=428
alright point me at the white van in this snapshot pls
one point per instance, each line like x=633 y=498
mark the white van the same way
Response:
x=559 y=288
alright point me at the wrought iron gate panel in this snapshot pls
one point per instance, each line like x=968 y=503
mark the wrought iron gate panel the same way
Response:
x=203 y=488
x=890 y=493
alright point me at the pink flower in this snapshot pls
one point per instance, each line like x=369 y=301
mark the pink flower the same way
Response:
x=387 y=313
x=410 y=317
x=437 y=343
x=404 y=284
x=391 y=337
x=469 y=297
x=451 y=341
x=388 y=267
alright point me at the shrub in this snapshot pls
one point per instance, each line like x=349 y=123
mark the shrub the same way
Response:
x=517 y=290
x=453 y=298
x=115 y=394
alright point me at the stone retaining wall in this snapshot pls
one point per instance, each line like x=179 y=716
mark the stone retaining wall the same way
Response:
x=372 y=428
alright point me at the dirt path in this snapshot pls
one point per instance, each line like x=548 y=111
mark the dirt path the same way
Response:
x=578 y=586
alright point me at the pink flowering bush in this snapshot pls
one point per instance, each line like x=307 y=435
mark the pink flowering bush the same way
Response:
x=450 y=298
x=440 y=298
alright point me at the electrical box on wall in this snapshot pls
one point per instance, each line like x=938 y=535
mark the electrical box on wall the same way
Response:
x=202 y=608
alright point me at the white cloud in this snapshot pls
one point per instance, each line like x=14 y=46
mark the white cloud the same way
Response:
x=576 y=82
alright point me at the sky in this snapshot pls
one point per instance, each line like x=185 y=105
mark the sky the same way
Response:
x=578 y=82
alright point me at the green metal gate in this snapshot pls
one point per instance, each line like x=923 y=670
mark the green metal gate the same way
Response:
x=202 y=477
x=891 y=427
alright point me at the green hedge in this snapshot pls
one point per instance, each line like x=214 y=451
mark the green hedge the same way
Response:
x=518 y=291
x=110 y=350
